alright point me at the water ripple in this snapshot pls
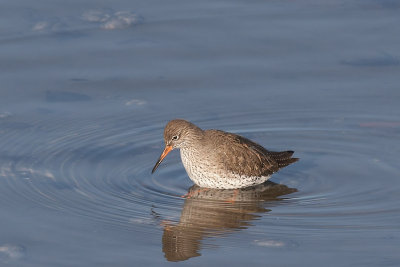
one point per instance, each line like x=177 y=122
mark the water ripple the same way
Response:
x=100 y=169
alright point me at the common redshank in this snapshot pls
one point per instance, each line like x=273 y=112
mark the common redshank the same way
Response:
x=218 y=159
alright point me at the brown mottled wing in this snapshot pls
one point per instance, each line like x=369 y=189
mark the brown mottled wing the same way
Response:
x=242 y=156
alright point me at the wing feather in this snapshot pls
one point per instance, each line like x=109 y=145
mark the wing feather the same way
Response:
x=241 y=155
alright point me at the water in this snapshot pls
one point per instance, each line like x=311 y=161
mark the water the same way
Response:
x=87 y=87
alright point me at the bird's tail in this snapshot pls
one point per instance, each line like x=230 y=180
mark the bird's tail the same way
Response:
x=283 y=158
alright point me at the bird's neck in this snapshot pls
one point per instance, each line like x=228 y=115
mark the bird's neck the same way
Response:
x=196 y=136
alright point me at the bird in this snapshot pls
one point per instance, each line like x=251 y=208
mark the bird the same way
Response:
x=221 y=160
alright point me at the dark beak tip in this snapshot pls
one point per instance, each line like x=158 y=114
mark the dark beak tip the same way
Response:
x=156 y=166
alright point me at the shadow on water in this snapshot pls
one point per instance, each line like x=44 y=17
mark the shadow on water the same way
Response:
x=214 y=212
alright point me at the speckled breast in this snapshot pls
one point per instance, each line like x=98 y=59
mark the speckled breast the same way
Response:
x=206 y=174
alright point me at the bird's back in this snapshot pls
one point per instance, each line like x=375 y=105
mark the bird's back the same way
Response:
x=239 y=155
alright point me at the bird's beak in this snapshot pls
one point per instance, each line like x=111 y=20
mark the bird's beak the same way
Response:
x=167 y=149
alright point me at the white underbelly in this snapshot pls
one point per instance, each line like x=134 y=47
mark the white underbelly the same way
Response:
x=212 y=177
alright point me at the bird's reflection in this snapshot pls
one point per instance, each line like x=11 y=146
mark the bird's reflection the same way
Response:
x=214 y=212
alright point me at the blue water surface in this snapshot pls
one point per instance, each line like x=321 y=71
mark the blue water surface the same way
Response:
x=86 y=88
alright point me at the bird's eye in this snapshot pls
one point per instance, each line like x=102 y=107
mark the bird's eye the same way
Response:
x=175 y=137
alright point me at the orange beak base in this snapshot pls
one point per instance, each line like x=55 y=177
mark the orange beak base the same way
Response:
x=167 y=149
